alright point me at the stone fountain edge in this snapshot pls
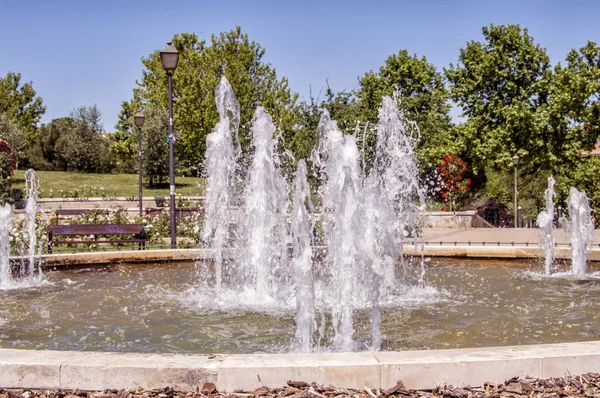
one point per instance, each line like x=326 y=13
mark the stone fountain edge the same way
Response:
x=417 y=369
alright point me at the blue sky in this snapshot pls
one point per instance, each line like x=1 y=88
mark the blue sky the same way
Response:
x=88 y=52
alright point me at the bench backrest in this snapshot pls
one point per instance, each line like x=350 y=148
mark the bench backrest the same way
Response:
x=96 y=229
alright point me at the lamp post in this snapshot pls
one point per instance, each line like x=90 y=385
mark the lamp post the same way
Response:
x=515 y=161
x=139 y=122
x=169 y=57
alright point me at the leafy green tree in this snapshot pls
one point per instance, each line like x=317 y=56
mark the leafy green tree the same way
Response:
x=574 y=118
x=342 y=107
x=49 y=135
x=124 y=141
x=501 y=85
x=19 y=103
x=14 y=136
x=199 y=70
x=81 y=147
x=91 y=116
x=155 y=152
x=423 y=98
x=6 y=171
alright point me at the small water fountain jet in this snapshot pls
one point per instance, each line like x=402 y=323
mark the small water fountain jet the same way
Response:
x=263 y=236
x=6 y=220
x=30 y=269
x=302 y=260
x=581 y=229
x=397 y=170
x=222 y=150
x=545 y=221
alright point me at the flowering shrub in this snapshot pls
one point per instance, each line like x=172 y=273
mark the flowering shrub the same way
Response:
x=19 y=236
x=454 y=186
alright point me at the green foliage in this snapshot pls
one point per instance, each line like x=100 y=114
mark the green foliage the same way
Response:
x=19 y=235
x=342 y=107
x=199 y=70
x=6 y=171
x=422 y=96
x=13 y=135
x=502 y=87
x=574 y=116
x=584 y=177
x=80 y=146
x=19 y=103
x=123 y=147
x=155 y=150
x=90 y=116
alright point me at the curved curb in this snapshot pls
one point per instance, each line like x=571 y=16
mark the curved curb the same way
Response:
x=417 y=369
x=499 y=252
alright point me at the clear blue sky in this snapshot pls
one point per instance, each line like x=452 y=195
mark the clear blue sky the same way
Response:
x=85 y=52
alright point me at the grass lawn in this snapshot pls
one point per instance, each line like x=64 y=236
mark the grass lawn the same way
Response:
x=56 y=184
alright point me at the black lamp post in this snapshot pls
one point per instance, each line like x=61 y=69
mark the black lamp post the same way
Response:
x=139 y=122
x=515 y=161
x=169 y=57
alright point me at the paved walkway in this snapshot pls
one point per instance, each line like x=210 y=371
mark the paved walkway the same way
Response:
x=506 y=236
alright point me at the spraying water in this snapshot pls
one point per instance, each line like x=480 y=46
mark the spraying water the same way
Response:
x=302 y=254
x=581 y=229
x=397 y=170
x=263 y=235
x=364 y=218
x=544 y=221
x=31 y=270
x=6 y=219
x=222 y=149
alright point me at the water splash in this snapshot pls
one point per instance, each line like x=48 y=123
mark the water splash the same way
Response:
x=397 y=169
x=545 y=221
x=263 y=235
x=302 y=259
x=6 y=220
x=222 y=150
x=581 y=229
x=30 y=269
x=362 y=220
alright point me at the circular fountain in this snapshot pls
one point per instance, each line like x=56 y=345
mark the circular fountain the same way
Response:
x=288 y=274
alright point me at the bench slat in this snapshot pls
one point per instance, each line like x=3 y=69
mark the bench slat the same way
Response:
x=91 y=242
x=90 y=229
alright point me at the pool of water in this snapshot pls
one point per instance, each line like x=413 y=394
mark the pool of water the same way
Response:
x=162 y=308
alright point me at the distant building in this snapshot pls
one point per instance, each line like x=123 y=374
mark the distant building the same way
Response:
x=594 y=152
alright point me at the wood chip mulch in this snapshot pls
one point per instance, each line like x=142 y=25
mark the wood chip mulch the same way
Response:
x=585 y=385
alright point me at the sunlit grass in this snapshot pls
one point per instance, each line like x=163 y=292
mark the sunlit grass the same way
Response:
x=59 y=184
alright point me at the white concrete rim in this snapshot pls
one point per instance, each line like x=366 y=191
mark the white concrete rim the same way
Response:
x=417 y=369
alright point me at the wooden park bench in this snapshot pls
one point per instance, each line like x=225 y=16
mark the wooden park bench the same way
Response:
x=136 y=231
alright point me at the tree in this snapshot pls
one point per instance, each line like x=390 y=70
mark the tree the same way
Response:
x=20 y=104
x=423 y=98
x=15 y=138
x=574 y=118
x=342 y=107
x=124 y=141
x=49 y=135
x=6 y=171
x=155 y=153
x=81 y=147
x=199 y=70
x=502 y=87
x=91 y=116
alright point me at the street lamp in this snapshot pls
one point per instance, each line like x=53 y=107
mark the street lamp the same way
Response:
x=169 y=57
x=139 y=122
x=515 y=161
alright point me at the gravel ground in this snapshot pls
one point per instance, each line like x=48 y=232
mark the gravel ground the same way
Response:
x=586 y=385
